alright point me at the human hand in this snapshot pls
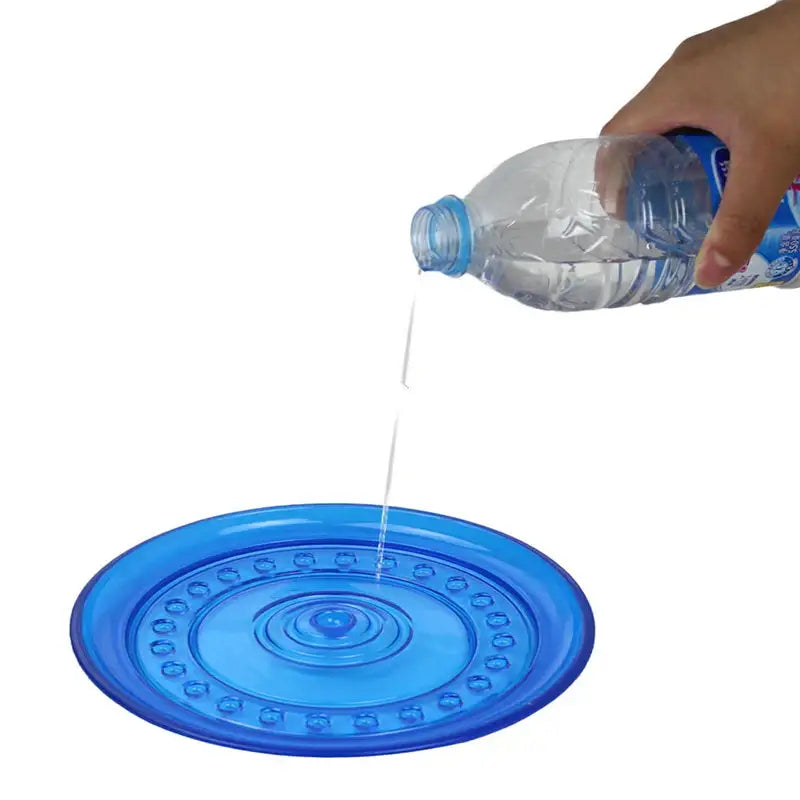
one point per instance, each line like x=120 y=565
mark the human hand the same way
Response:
x=742 y=83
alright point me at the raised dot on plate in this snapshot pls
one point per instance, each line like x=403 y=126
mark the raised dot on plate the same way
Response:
x=304 y=560
x=456 y=584
x=496 y=662
x=318 y=722
x=345 y=560
x=365 y=722
x=479 y=683
x=482 y=600
x=450 y=701
x=503 y=640
x=228 y=575
x=424 y=571
x=173 y=669
x=163 y=626
x=411 y=715
x=264 y=565
x=229 y=704
x=270 y=716
x=198 y=589
x=195 y=689
x=388 y=562
x=162 y=647
x=176 y=606
x=497 y=619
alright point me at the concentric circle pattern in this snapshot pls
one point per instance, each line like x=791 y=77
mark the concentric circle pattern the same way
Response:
x=273 y=630
x=334 y=629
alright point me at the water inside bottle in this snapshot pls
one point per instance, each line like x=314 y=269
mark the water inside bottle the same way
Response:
x=403 y=392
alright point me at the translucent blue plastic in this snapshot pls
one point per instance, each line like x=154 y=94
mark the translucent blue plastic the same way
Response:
x=268 y=630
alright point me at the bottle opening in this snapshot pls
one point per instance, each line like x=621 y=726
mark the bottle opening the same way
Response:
x=441 y=237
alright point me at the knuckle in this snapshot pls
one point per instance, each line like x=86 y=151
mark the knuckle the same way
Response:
x=691 y=46
x=609 y=127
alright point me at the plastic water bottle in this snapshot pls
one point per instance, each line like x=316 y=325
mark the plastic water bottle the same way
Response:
x=599 y=223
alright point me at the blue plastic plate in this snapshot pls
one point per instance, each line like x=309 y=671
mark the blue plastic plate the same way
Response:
x=270 y=630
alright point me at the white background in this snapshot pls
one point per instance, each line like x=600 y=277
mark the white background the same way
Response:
x=205 y=283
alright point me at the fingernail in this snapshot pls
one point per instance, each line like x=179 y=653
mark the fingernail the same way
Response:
x=712 y=269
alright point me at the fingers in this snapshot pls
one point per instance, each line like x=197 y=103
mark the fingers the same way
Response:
x=756 y=183
x=658 y=108
x=678 y=95
x=612 y=170
x=663 y=105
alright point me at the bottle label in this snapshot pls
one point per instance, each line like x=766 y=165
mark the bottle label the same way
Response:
x=777 y=260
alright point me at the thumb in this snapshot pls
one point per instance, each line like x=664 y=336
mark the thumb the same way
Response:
x=753 y=191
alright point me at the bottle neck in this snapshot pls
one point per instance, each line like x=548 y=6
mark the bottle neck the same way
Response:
x=441 y=237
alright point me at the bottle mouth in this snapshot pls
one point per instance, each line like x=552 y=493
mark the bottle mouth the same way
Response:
x=441 y=237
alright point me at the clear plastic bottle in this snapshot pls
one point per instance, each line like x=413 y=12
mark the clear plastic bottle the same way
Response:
x=599 y=223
